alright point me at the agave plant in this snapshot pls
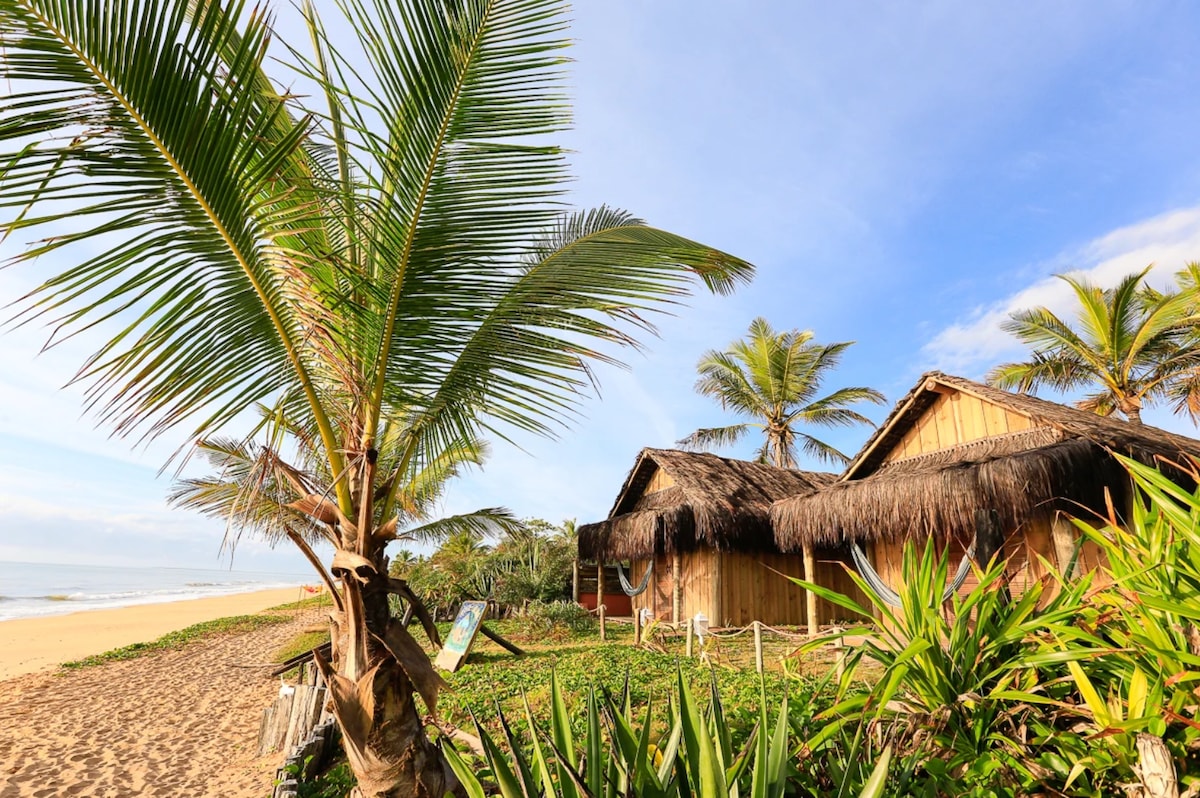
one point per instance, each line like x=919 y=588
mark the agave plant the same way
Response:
x=1136 y=694
x=623 y=754
x=958 y=679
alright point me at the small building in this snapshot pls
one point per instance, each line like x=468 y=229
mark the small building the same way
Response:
x=701 y=524
x=953 y=447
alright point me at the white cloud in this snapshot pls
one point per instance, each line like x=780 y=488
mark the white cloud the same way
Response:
x=972 y=345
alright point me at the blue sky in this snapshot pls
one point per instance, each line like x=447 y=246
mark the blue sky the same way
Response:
x=902 y=174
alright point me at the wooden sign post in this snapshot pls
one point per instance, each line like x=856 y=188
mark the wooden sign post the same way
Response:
x=462 y=635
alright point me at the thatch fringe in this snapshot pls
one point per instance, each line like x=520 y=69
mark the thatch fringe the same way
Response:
x=714 y=502
x=938 y=498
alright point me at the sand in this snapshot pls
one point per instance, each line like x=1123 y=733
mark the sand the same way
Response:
x=178 y=723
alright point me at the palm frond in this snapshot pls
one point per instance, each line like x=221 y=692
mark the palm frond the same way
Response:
x=524 y=355
x=703 y=440
x=188 y=185
x=488 y=522
x=821 y=451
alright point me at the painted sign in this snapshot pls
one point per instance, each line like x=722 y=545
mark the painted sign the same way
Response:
x=462 y=635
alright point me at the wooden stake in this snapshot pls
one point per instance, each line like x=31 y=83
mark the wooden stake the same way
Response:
x=575 y=580
x=839 y=646
x=758 y=655
x=603 y=631
x=689 y=638
x=810 y=599
x=637 y=627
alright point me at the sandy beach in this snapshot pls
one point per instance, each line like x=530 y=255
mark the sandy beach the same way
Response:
x=182 y=722
x=33 y=644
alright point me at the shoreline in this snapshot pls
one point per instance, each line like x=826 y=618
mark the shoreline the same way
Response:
x=44 y=642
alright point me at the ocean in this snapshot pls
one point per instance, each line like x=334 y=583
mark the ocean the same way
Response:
x=33 y=589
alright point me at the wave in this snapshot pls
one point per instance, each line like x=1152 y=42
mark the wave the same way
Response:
x=58 y=603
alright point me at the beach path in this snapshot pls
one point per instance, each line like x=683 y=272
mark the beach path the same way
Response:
x=173 y=723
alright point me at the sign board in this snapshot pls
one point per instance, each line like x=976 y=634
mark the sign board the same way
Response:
x=462 y=635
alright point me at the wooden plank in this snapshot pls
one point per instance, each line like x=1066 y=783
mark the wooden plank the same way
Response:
x=956 y=411
x=943 y=417
x=974 y=425
x=676 y=586
x=502 y=642
x=659 y=480
x=995 y=418
x=1017 y=422
x=718 y=608
x=927 y=429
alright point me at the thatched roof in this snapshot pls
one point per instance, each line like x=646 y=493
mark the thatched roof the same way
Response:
x=714 y=502
x=1061 y=463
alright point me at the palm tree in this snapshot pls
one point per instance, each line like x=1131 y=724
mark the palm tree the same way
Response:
x=774 y=378
x=381 y=256
x=1133 y=346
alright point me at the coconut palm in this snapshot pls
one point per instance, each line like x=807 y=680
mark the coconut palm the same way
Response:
x=381 y=256
x=774 y=378
x=1131 y=345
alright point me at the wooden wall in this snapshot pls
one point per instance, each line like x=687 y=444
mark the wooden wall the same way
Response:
x=956 y=418
x=659 y=480
x=748 y=589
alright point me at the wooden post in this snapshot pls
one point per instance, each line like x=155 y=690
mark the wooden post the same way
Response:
x=600 y=588
x=810 y=598
x=689 y=638
x=839 y=645
x=758 y=655
x=1062 y=535
x=603 y=631
x=637 y=627
x=677 y=583
x=575 y=580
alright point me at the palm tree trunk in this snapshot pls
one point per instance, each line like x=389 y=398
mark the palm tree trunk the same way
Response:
x=391 y=755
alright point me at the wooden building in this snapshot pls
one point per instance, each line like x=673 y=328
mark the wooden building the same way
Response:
x=952 y=447
x=701 y=522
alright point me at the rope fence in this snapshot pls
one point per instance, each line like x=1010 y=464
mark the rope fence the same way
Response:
x=757 y=628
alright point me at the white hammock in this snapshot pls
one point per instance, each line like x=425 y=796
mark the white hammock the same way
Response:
x=629 y=589
x=891 y=597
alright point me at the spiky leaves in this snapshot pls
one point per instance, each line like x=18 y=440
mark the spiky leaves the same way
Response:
x=1133 y=346
x=774 y=378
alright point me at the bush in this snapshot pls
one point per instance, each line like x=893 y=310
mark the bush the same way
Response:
x=550 y=615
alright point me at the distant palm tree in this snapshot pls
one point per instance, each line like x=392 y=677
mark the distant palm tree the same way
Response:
x=774 y=378
x=1133 y=345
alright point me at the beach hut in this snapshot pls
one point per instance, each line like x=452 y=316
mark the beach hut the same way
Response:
x=954 y=454
x=694 y=532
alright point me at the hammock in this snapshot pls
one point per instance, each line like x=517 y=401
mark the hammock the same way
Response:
x=629 y=589
x=891 y=597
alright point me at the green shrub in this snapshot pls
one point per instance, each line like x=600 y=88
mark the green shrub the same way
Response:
x=549 y=615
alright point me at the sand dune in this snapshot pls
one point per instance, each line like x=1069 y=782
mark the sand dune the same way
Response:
x=169 y=724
